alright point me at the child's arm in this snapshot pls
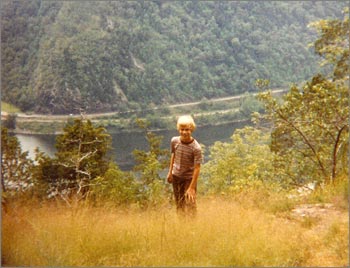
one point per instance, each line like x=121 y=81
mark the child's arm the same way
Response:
x=170 y=173
x=191 y=191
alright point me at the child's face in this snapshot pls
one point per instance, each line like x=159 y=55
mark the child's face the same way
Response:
x=185 y=132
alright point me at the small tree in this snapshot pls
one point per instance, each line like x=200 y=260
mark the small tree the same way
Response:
x=149 y=165
x=116 y=187
x=244 y=162
x=10 y=122
x=81 y=156
x=15 y=165
x=310 y=130
x=249 y=104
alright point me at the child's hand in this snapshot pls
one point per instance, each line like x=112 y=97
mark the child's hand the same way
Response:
x=170 y=177
x=190 y=195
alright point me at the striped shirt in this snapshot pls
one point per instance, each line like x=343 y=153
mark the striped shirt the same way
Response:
x=186 y=156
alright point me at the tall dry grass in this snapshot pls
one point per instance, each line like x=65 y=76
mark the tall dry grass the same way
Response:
x=223 y=233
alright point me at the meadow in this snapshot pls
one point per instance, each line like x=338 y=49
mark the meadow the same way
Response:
x=225 y=232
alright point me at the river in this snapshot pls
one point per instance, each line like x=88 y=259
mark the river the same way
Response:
x=124 y=143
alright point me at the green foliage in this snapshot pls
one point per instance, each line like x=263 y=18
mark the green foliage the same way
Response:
x=10 y=121
x=249 y=104
x=149 y=165
x=15 y=165
x=82 y=155
x=310 y=128
x=310 y=131
x=144 y=186
x=8 y=108
x=89 y=145
x=23 y=24
x=333 y=43
x=262 y=84
x=245 y=162
x=45 y=127
x=115 y=186
x=119 y=54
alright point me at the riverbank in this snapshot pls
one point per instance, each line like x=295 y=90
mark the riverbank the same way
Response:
x=158 y=121
x=52 y=128
x=206 y=113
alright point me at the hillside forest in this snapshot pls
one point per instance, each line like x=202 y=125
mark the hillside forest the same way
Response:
x=122 y=55
x=276 y=195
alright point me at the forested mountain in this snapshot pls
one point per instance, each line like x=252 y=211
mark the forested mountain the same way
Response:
x=61 y=56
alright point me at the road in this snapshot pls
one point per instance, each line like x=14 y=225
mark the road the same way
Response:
x=236 y=97
x=49 y=117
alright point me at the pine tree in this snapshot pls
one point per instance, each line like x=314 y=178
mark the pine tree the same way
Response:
x=82 y=155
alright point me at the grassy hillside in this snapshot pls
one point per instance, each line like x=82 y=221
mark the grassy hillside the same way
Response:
x=256 y=228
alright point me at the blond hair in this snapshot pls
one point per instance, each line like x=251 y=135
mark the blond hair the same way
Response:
x=186 y=120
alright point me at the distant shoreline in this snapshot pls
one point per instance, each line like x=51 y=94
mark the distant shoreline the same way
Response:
x=58 y=117
x=131 y=130
x=47 y=124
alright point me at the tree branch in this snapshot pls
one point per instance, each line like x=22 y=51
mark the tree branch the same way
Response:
x=335 y=152
x=308 y=143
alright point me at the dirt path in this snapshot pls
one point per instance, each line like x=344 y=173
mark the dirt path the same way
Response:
x=327 y=227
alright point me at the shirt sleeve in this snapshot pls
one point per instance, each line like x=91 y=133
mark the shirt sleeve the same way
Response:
x=173 y=144
x=198 y=156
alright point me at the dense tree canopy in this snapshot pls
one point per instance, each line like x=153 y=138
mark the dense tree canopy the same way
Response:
x=311 y=127
x=306 y=133
x=82 y=156
x=61 y=56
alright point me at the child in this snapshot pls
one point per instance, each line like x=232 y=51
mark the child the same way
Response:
x=185 y=163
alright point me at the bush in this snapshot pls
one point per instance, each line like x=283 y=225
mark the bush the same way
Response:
x=336 y=193
x=115 y=187
x=10 y=121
